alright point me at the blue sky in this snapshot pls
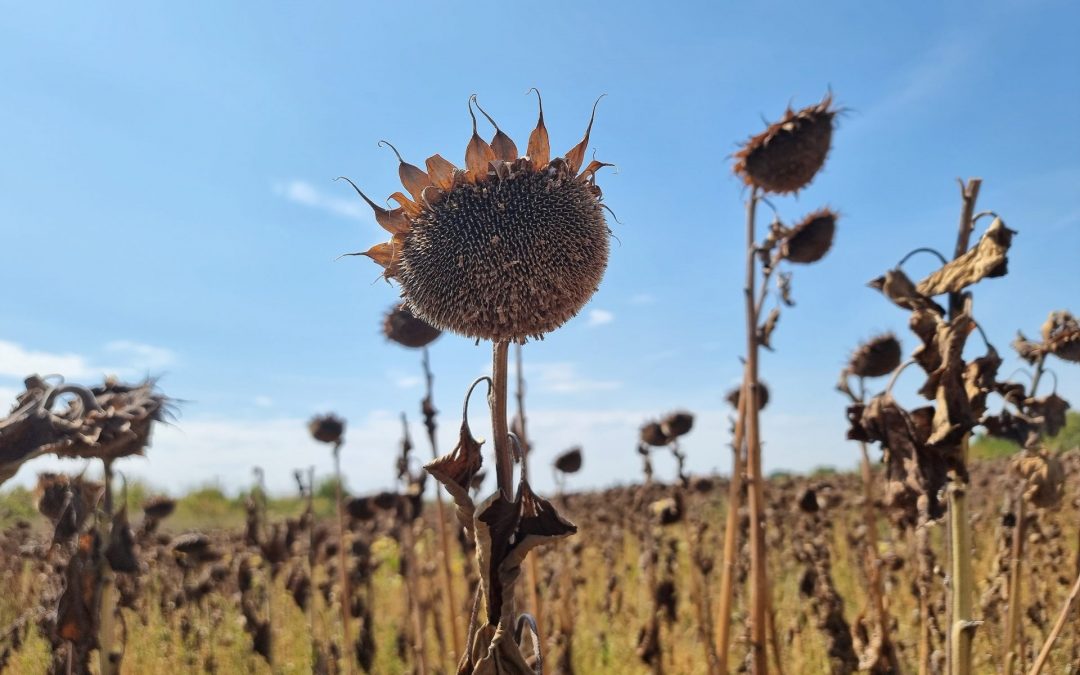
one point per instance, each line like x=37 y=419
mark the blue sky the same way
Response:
x=167 y=206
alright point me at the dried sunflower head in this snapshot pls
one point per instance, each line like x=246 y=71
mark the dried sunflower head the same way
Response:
x=327 y=428
x=505 y=249
x=569 y=461
x=402 y=326
x=763 y=396
x=677 y=424
x=786 y=156
x=653 y=434
x=811 y=239
x=876 y=357
x=1061 y=335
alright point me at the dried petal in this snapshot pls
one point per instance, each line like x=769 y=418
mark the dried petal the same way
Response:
x=539 y=150
x=441 y=172
x=576 y=156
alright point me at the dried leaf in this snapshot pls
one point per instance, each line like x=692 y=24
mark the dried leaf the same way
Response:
x=765 y=330
x=986 y=259
x=896 y=286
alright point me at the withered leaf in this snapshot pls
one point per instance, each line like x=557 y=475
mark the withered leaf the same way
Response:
x=897 y=287
x=1026 y=349
x=765 y=330
x=1051 y=410
x=1061 y=335
x=1044 y=476
x=539 y=149
x=505 y=533
x=503 y=656
x=986 y=259
x=456 y=471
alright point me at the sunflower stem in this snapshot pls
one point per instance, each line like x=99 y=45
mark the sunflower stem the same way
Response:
x=759 y=583
x=532 y=572
x=343 y=575
x=504 y=464
x=428 y=410
x=731 y=535
x=962 y=626
x=1012 y=618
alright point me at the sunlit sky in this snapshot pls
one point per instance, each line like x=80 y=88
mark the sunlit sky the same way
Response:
x=168 y=208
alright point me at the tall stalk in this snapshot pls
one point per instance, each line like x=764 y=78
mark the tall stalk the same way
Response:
x=962 y=628
x=504 y=468
x=106 y=578
x=531 y=567
x=731 y=535
x=343 y=574
x=759 y=584
x=440 y=513
x=1016 y=560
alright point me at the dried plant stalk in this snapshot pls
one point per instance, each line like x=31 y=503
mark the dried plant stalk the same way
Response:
x=428 y=409
x=759 y=583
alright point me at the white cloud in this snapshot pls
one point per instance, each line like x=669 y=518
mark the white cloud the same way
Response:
x=563 y=378
x=306 y=194
x=407 y=381
x=17 y=362
x=129 y=359
x=600 y=317
x=264 y=401
x=642 y=299
x=196 y=452
x=140 y=357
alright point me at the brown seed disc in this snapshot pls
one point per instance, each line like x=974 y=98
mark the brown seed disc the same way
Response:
x=877 y=357
x=569 y=461
x=811 y=239
x=506 y=259
x=786 y=156
x=401 y=326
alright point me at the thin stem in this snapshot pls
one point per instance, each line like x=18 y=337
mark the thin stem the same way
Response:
x=1012 y=619
x=962 y=625
x=504 y=467
x=1044 y=653
x=343 y=575
x=531 y=569
x=428 y=410
x=923 y=249
x=759 y=572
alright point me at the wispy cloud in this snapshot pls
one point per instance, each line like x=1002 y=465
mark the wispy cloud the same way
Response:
x=599 y=317
x=642 y=299
x=139 y=356
x=264 y=401
x=564 y=378
x=304 y=193
x=18 y=362
x=122 y=357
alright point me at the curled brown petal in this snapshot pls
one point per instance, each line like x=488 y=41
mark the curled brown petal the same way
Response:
x=441 y=172
x=393 y=221
x=539 y=150
x=411 y=208
x=576 y=156
x=412 y=177
x=478 y=153
x=502 y=145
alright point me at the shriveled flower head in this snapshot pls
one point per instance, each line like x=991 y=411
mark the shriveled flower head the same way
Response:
x=1061 y=335
x=505 y=249
x=569 y=461
x=677 y=424
x=402 y=326
x=786 y=156
x=653 y=434
x=811 y=239
x=876 y=357
x=736 y=393
x=327 y=428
